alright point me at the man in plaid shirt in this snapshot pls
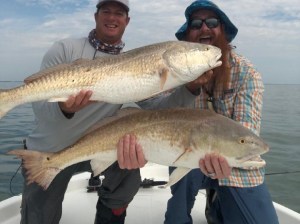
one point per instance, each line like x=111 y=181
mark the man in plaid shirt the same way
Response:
x=235 y=90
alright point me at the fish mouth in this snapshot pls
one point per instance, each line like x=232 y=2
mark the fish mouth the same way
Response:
x=251 y=162
x=216 y=62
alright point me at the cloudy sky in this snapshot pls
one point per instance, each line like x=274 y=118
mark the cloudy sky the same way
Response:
x=269 y=31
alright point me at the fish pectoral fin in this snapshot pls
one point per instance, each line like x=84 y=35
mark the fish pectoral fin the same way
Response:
x=99 y=165
x=57 y=99
x=185 y=152
x=177 y=174
x=163 y=74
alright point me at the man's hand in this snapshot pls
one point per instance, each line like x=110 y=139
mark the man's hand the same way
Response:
x=202 y=80
x=76 y=102
x=130 y=153
x=215 y=166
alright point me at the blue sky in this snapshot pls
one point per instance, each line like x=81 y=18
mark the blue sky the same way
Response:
x=269 y=31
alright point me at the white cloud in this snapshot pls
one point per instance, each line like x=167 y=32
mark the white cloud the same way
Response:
x=54 y=4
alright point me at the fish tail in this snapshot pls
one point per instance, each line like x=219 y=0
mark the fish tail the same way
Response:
x=38 y=166
x=5 y=106
x=3 y=111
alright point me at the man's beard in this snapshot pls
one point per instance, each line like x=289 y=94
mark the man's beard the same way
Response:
x=222 y=73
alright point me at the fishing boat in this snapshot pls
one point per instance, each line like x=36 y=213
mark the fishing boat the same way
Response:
x=147 y=207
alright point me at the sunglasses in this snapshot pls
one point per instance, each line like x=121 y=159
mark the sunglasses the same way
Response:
x=196 y=24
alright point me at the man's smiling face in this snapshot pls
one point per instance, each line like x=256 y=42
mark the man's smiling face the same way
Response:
x=111 y=21
x=204 y=34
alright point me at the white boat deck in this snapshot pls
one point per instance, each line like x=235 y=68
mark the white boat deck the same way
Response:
x=148 y=206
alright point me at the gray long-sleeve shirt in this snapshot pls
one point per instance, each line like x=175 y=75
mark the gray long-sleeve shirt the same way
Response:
x=53 y=131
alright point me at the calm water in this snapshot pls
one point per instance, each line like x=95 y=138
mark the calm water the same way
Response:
x=280 y=128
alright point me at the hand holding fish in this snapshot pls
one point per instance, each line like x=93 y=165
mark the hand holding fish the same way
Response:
x=215 y=166
x=76 y=102
x=202 y=80
x=130 y=153
x=131 y=156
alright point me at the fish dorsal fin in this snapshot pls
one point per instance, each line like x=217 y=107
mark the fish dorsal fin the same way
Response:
x=45 y=72
x=80 y=61
x=127 y=111
x=107 y=58
x=121 y=113
x=54 y=69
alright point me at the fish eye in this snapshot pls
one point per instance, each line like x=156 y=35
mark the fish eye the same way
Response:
x=242 y=141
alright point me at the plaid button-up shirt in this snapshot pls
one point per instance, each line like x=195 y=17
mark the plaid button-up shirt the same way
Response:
x=242 y=102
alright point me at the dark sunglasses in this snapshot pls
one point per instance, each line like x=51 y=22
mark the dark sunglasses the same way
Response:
x=196 y=24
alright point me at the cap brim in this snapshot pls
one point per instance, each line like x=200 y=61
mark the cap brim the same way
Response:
x=180 y=34
x=102 y=3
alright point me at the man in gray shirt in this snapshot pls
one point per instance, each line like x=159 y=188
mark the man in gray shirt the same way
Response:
x=59 y=125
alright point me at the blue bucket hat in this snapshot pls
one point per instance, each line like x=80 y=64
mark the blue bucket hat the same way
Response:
x=230 y=29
